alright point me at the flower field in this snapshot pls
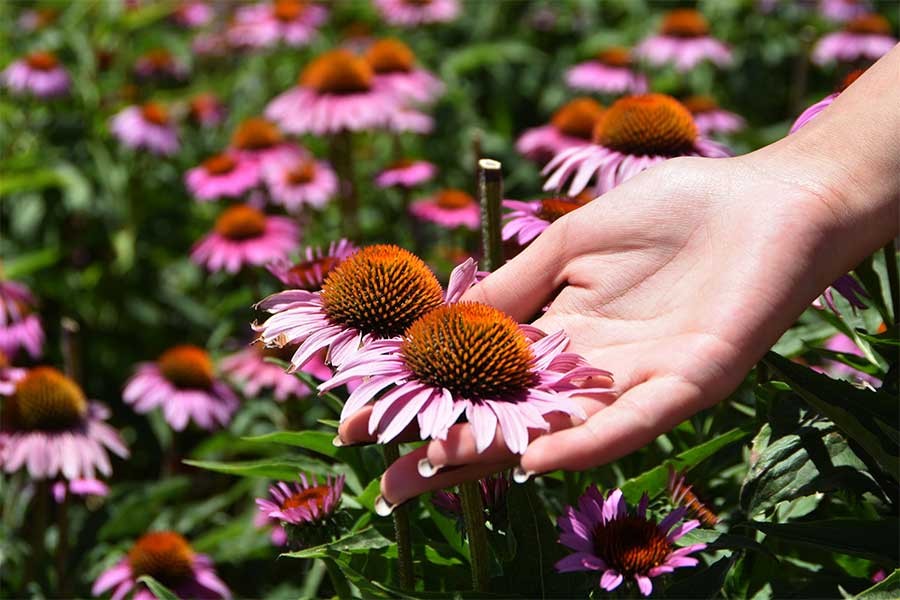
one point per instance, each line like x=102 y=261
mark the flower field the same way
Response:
x=449 y=299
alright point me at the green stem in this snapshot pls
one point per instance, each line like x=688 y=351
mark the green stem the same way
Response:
x=62 y=548
x=473 y=517
x=490 y=190
x=341 y=152
x=39 y=531
x=890 y=261
x=338 y=581
x=405 y=570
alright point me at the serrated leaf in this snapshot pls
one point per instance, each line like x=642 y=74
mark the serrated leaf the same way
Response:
x=158 y=589
x=874 y=539
x=654 y=481
x=814 y=459
x=354 y=543
x=868 y=418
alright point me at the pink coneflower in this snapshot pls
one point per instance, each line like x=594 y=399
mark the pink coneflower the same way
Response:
x=222 y=175
x=634 y=134
x=807 y=115
x=375 y=294
x=682 y=494
x=39 y=73
x=710 y=118
x=79 y=487
x=306 y=502
x=297 y=179
x=468 y=358
x=244 y=235
x=277 y=534
x=867 y=37
x=9 y=375
x=38 y=18
x=494 y=490
x=606 y=538
x=527 y=220
x=210 y=44
x=183 y=383
x=684 y=41
x=449 y=208
x=410 y=13
x=843 y=10
x=148 y=126
x=169 y=559
x=406 y=173
x=847 y=286
x=206 y=110
x=610 y=72
x=50 y=428
x=20 y=326
x=260 y=140
x=394 y=65
x=409 y=120
x=572 y=125
x=159 y=63
x=293 y=22
x=834 y=368
x=314 y=266
x=336 y=92
x=253 y=373
x=193 y=13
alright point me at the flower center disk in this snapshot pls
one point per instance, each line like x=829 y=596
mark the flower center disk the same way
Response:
x=303 y=173
x=42 y=61
x=380 y=290
x=616 y=56
x=653 y=124
x=555 y=208
x=164 y=555
x=155 y=113
x=338 y=72
x=187 y=367
x=220 y=164
x=390 y=56
x=241 y=222
x=684 y=23
x=453 y=199
x=159 y=58
x=316 y=494
x=471 y=349
x=45 y=399
x=288 y=10
x=871 y=24
x=256 y=133
x=578 y=117
x=700 y=104
x=631 y=545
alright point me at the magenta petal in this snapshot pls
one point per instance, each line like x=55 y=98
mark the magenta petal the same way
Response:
x=610 y=580
x=644 y=584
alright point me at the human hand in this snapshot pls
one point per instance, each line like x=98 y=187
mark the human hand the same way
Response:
x=677 y=282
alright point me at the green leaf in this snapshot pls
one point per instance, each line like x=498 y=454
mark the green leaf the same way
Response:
x=815 y=458
x=866 y=417
x=158 y=589
x=354 y=543
x=284 y=468
x=870 y=280
x=317 y=441
x=887 y=589
x=874 y=539
x=23 y=265
x=654 y=481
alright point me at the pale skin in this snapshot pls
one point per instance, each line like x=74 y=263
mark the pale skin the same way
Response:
x=680 y=279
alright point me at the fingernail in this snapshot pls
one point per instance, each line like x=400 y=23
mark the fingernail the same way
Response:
x=383 y=508
x=426 y=469
x=337 y=442
x=520 y=475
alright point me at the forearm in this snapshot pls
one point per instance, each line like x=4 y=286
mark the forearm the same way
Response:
x=849 y=158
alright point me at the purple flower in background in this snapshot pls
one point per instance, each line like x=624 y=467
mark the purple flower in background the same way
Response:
x=147 y=127
x=572 y=125
x=394 y=65
x=406 y=173
x=39 y=74
x=315 y=264
x=848 y=287
x=50 y=428
x=168 y=558
x=411 y=13
x=843 y=10
x=620 y=545
x=303 y=502
x=245 y=236
x=297 y=179
x=712 y=118
x=527 y=220
x=183 y=383
x=450 y=208
x=223 y=175
x=684 y=41
x=837 y=369
x=20 y=326
x=610 y=72
x=867 y=37
x=294 y=22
